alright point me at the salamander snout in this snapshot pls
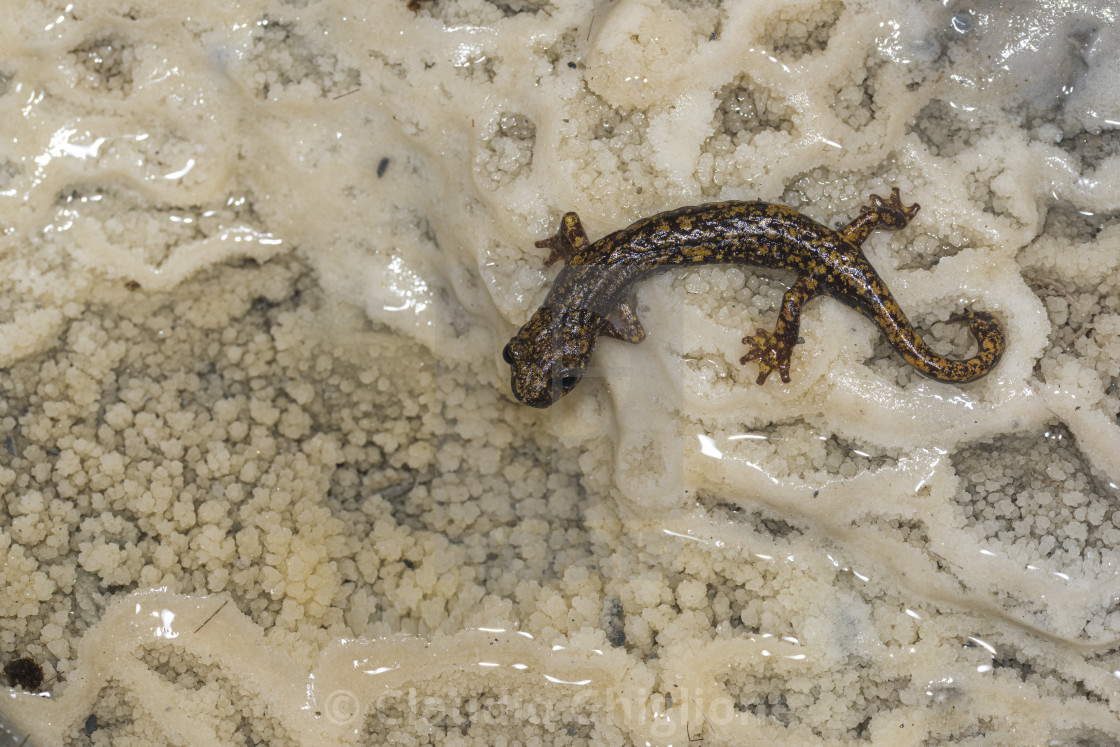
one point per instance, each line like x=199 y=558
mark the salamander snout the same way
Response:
x=549 y=355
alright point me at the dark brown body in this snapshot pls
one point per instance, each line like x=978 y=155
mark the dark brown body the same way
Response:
x=590 y=295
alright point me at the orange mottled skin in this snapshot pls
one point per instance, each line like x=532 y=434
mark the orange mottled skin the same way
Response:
x=590 y=296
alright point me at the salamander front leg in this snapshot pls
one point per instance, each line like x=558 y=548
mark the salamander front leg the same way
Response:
x=627 y=326
x=772 y=350
x=889 y=213
x=571 y=238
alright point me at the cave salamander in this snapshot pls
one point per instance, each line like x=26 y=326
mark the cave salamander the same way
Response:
x=591 y=295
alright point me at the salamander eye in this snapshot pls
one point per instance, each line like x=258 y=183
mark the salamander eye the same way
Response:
x=506 y=355
x=569 y=377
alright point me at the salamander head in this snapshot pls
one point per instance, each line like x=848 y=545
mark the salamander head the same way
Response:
x=549 y=355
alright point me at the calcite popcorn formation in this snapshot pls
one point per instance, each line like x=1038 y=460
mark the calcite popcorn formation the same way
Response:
x=261 y=479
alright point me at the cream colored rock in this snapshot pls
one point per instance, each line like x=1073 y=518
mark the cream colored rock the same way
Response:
x=261 y=477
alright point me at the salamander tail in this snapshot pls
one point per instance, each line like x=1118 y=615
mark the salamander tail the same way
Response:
x=991 y=341
x=985 y=328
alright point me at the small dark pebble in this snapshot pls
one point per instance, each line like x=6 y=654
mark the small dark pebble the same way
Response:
x=382 y=165
x=91 y=724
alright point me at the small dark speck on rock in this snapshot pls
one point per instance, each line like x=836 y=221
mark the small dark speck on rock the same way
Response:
x=262 y=304
x=91 y=724
x=612 y=621
x=25 y=673
x=382 y=165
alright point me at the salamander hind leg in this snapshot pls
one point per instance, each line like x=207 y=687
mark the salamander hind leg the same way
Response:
x=570 y=239
x=890 y=214
x=772 y=350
